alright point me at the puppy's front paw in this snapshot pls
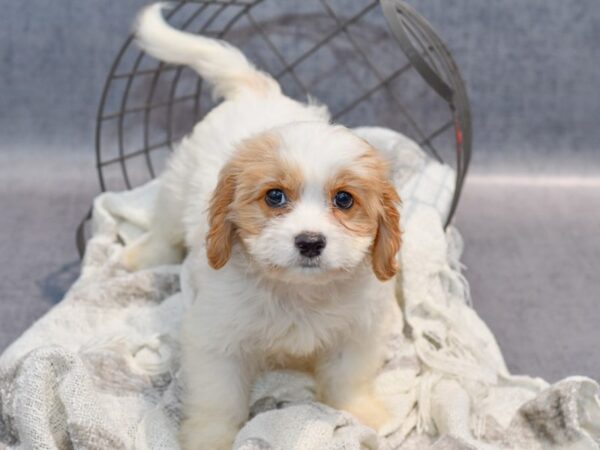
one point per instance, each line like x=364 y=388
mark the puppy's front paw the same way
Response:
x=368 y=410
x=203 y=434
x=149 y=251
x=130 y=258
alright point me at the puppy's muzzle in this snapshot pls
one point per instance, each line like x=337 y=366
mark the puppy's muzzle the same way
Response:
x=310 y=244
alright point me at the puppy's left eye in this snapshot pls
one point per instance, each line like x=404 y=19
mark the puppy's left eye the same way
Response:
x=343 y=200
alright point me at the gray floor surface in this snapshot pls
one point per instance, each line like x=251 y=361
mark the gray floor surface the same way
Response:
x=532 y=252
x=533 y=258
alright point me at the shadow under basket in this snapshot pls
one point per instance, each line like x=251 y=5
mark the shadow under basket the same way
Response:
x=372 y=62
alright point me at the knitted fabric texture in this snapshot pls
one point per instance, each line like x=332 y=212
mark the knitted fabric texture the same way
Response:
x=100 y=370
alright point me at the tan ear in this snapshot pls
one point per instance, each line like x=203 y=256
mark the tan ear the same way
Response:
x=219 y=239
x=388 y=238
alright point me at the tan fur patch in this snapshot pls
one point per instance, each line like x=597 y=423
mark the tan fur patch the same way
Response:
x=374 y=211
x=219 y=239
x=243 y=183
x=388 y=238
x=260 y=83
x=261 y=168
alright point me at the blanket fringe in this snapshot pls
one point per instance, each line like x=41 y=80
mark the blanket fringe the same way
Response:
x=458 y=283
x=447 y=348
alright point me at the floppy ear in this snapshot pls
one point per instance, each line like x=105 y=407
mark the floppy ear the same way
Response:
x=219 y=239
x=388 y=239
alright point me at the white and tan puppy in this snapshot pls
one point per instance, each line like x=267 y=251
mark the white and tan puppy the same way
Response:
x=291 y=228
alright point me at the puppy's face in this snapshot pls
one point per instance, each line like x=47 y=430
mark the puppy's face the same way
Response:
x=308 y=202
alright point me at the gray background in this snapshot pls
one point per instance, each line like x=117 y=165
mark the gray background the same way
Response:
x=530 y=214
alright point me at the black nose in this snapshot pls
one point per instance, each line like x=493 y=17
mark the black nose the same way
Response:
x=310 y=244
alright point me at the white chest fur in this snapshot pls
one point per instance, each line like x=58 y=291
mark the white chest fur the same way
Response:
x=236 y=311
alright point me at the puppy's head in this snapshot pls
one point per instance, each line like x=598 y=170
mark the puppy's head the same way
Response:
x=309 y=202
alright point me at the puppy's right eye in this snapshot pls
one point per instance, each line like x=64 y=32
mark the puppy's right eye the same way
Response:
x=275 y=198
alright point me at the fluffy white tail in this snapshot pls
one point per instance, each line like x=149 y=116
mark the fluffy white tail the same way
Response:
x=222 y=65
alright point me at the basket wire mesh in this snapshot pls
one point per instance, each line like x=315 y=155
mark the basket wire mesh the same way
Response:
x=373 y=62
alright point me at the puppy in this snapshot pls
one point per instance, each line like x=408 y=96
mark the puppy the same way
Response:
x=291 y=228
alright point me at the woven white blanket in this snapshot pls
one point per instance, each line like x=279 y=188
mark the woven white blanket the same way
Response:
x=99 y=371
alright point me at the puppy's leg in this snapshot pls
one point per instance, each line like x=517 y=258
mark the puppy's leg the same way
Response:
x=345 y=380
x=216 y=400
x=151 y=250
x=163 y=243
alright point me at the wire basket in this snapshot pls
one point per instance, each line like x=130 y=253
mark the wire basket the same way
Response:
x=373 y=62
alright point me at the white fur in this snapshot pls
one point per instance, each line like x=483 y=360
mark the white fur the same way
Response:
x=331 y=318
